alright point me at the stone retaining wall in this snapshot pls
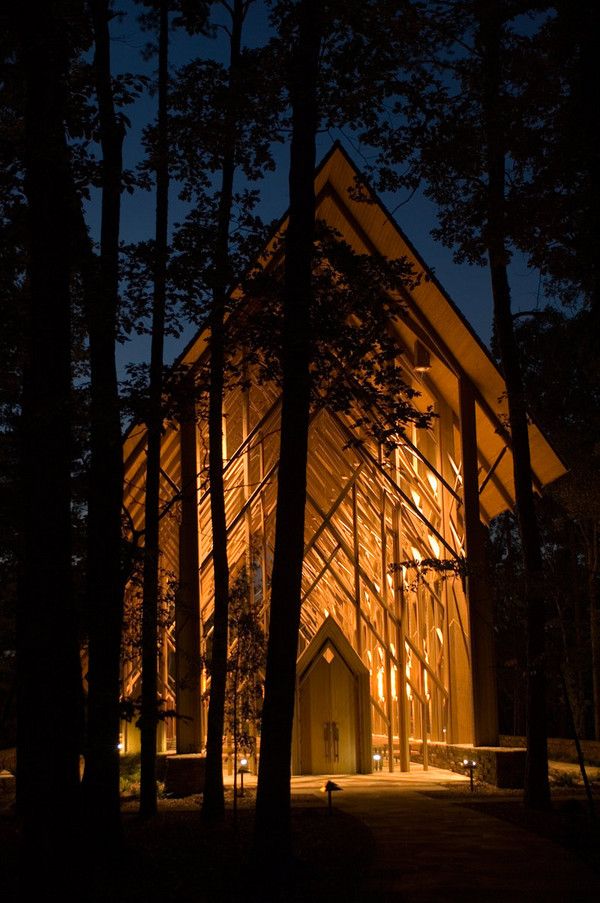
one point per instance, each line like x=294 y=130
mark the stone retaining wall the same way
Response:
x=502 y=767
x=184 y=774
x=8 y=760
x=561 y=749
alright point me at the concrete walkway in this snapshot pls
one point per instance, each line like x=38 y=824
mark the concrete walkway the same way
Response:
x=431 y=849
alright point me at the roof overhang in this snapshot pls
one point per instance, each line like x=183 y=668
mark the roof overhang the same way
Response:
x=430 y=316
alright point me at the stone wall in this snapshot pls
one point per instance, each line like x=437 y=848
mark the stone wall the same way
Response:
x=8 y=760
x=502 y=767
x=184 y=774
x=561 y=749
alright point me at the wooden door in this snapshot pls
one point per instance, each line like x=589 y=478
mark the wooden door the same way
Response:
x=328 y=716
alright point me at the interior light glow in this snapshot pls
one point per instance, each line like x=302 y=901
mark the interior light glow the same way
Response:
x=435 y=546
x=380 y=691
x=422 y=358
x=432 y=480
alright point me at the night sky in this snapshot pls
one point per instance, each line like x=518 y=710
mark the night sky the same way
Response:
x=468 y=286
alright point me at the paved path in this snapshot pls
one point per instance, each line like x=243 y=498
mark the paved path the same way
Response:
x=435 y=850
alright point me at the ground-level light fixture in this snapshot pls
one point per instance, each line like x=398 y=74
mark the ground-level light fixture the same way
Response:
x=242 y=770
x=377 y=762
x=471 y=765
x=329 y=788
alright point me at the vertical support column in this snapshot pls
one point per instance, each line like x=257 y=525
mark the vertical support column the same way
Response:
x=458 y=642
x=485 y=710
x=187 y=602
x=400 y=607
x=386 y=631
x=246 y=490
x=163 y=667
x=263 y=530
x=357 y=589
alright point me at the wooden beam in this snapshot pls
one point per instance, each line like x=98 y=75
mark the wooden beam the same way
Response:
x=485 y=712
x=187 y=599
x=397 y=491
x=356 y=571
x=386 y=631
x=403 y=715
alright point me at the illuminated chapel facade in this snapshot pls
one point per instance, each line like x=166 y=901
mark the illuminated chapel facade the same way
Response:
x=389 y=649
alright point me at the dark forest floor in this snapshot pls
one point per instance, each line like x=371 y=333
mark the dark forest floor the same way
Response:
x=175 y=857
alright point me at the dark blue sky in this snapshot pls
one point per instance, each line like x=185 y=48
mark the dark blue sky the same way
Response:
x=468 y=286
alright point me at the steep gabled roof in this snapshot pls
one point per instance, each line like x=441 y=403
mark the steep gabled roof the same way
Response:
x=431 y=317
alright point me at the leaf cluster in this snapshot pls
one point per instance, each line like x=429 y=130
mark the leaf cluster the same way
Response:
x=246 y=665
x=356 y=364
x=439 y=568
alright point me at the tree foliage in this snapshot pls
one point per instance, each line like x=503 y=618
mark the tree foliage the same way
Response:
x=487 y=105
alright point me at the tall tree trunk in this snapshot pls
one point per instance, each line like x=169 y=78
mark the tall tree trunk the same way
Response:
x=583 y=19
x=49 y=694
x=149 y=711
x=105 y=588
x=273 y=837
x=537 y=792
x=592 y=552
x=579 y=628
x=213 y=804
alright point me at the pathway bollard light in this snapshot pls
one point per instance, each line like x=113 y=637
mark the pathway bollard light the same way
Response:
x=329 y=788
x=242 y=770
x=377 y=762
x=471 y=766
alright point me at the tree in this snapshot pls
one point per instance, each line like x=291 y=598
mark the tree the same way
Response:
x=339 y=58
x=462 y=139
x=557 y=196
x=12 y=324
x=154 y=423
x=105 y=583
x=237 y=120
x=273 y=795
x=563 y=380
x=49 y=734
x=246 y=662
x=490 y=21
x=213 y=803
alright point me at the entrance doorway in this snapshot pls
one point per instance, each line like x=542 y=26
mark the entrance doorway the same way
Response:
x=328 y=716
x=332 y=726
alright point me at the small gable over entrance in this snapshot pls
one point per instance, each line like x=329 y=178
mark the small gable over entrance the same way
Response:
x=333 y=714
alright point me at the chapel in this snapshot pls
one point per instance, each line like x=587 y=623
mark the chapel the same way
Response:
x=391 y=648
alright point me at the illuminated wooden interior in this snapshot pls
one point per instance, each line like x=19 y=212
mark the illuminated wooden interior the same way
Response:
x=410 y=649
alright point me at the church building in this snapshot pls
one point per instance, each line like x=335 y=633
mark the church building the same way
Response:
x=391 y=648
